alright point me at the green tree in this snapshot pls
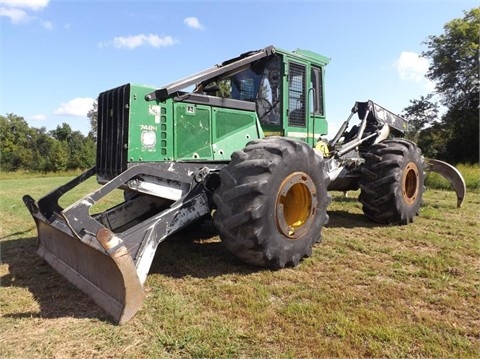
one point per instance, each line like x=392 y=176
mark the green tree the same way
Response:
x=59 y=157
x=454 y=69
x=455 y=62
x=80 y=149
x=93 y=117
x=43 y=143
x=423 y=123
x=34 y=149
x=16 y=143
x=62 y=132
x=87 y=153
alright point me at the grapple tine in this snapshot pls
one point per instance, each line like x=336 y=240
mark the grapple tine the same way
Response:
x=451 y=174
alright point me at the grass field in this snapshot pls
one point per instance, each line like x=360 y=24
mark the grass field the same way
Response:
x=367 y=291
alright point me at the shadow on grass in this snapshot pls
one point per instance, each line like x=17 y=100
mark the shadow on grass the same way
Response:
x=345 y=219
x=341 y=218
x=56 y=297
x=195 y=251
x=16 y=234
x=198 y=252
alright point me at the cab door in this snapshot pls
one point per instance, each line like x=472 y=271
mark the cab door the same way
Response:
x=296 y=100
x=319 y=125
x=305 y=102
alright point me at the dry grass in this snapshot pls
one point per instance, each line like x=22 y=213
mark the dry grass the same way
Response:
x=367 y=291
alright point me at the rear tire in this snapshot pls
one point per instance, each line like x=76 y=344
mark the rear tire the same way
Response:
x=392 y=182
x=271 y=203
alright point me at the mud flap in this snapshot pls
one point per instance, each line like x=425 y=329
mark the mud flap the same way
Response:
x=105 y=272
x=451 y=174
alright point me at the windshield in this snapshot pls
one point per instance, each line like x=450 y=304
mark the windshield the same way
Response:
x=260 y=84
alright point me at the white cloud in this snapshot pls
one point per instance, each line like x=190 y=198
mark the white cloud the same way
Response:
x=134 y=41
x=38 y=117
x=16 y=16
x=412 y=67
x=34 y=5
x=77 y=107
x=19 y=11
x=193 y=22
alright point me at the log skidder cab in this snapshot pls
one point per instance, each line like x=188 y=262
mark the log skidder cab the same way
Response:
x=246 y=146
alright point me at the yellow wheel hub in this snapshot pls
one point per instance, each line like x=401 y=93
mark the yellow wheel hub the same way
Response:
x=410 y=183
x=296 y=205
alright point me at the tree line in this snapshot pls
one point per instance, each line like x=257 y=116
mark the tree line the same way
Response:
x=35 y=149
x=451 y=134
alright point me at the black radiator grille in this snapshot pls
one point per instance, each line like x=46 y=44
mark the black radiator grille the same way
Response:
x=112 y=131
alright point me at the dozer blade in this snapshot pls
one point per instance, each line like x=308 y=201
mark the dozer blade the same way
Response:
x=108 y=255
x=451 y=174
x=105 y=272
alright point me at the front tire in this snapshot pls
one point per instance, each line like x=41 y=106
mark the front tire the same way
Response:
x=271 y=203
x=392 y=182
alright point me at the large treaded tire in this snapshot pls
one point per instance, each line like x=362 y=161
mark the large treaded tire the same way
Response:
x=271 y=202
x=392 y=182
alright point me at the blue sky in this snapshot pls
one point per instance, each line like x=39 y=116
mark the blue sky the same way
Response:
x=57 y=55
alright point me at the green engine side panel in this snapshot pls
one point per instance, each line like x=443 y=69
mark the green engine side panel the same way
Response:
x=174 y=130
x=192 y=131
x=203 y=132
x=228 y=121
x=232 y=130
x=150 y=127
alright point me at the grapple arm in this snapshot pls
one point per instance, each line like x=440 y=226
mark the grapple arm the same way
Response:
x=451 y=174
